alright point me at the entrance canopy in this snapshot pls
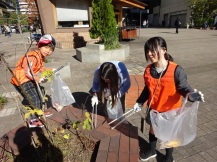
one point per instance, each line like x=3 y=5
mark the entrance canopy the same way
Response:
x=131 y=3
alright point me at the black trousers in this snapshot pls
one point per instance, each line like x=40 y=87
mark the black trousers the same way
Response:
x=177 y=29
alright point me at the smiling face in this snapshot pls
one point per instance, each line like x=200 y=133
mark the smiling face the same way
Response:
x=45 y=50
x=154 y=57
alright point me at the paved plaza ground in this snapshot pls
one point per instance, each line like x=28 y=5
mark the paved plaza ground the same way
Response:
x=193 y=49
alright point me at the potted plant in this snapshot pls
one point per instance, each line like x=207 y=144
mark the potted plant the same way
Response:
x=104 y=24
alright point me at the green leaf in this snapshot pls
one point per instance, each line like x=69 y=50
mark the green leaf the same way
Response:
x=47 y=74
x=89 y=127
x=35 y=111
x=84 y=126
x=66 y=136
x=87 y=114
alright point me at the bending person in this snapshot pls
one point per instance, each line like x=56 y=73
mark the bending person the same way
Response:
x=111 y=81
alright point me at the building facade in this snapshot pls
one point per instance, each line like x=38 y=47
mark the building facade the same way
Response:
x=169 y=10
x=27 y=7
x=69 y=21
x=6 y=6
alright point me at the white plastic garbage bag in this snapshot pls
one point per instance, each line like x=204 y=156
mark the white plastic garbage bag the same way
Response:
x=60 y=93
x=116 y=111
x=175 y=127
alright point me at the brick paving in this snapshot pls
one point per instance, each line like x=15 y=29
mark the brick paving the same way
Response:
x=137 y=85
x=193 y=49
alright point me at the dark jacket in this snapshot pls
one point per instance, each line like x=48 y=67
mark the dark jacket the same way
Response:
x=177 y=23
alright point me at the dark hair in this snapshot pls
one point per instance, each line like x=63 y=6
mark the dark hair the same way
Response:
x=109 y=71
x=49 y=45
x=152 y=45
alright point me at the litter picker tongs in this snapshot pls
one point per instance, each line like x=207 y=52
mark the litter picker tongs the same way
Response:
x=125 y=115
x=94 y=124
x=131 y=112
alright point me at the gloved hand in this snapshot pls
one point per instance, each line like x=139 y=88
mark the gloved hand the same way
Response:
x=54 y=69
x=43 y=80
x=196 y=96
x=119 y=94
x=137 y=107
x=94 y=100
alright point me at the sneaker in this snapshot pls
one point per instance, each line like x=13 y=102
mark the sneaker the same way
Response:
x=34 y=123
x=169 y=160
x=148 y=155
x=48 y=113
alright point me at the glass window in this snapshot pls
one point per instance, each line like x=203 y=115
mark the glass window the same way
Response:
x=72 y=13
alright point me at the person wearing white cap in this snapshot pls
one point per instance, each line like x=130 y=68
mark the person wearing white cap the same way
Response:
x=27 y=77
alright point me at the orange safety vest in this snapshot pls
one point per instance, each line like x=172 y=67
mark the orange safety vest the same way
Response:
x=19 y=71
x=166 y=96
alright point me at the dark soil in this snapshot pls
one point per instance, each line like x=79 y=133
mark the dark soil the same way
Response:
x=78 y=147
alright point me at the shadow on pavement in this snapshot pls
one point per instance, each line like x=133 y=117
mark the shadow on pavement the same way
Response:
x=83 y=100
x=46 y=151
x=75 y=58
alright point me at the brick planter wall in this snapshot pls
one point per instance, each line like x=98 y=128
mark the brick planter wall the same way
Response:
x=120 y=144
x=73 y=40
x=137 y=85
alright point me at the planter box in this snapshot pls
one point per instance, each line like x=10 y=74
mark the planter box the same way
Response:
x=120 y=144
x=129 y=33
x=95 y=53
